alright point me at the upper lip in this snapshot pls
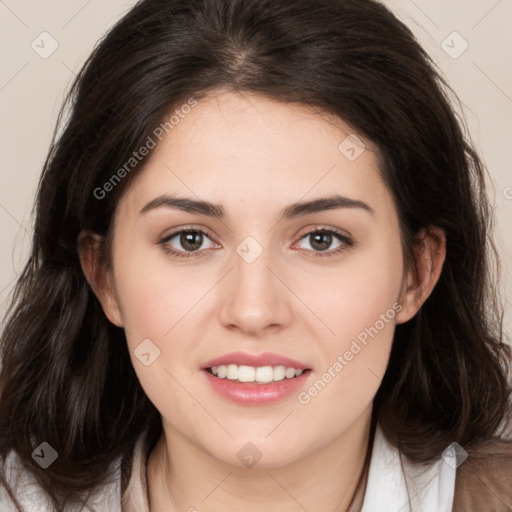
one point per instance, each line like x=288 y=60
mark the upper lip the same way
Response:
x=256 y=360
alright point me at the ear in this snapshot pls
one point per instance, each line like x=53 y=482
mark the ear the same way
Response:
x=98 y=277
x=417 y=286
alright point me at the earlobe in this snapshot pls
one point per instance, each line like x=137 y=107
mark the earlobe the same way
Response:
x=430 y=254
x=97 y=276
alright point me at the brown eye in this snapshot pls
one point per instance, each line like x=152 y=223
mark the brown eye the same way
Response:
x=191 y=240
x=321 y=241
x=186 y=242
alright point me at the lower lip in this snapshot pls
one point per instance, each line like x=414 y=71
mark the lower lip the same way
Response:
x=250 y=393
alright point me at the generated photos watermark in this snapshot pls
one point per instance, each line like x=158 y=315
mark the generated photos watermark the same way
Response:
x=356 y=346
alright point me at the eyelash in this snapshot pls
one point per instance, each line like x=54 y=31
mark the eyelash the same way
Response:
x=347 y=243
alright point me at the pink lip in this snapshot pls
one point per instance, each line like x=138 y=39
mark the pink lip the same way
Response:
x=250 y=393
x=256 y=360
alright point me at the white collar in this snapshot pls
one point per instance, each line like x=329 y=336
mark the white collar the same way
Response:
x=395 y=484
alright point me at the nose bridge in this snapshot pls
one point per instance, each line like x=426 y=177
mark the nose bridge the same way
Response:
x=251 y=273
x=255 y=298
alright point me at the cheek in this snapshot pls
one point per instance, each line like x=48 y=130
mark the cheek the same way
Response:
x=354 y=295
x=157 y=306
x=153 y=295
x=166 y=305
x=360 y=309
x=144 y=304
x=359 y=305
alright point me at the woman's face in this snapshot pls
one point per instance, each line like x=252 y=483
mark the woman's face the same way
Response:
x=257 y=281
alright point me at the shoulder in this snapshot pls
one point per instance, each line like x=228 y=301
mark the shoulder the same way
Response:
x=19 y=483
x=32 y=497
x=484 y=480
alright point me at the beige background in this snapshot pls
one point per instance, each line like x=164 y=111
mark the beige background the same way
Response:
x=32 y=89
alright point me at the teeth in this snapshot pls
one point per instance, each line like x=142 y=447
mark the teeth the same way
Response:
x=261 y=375
x=232 y=371
x=280 y=372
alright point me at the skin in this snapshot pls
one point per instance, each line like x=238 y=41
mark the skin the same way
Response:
x=255 y=156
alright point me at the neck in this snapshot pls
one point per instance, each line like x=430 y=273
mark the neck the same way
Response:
x=330 y=478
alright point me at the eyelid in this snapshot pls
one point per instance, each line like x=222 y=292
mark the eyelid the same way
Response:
x=321 y=227
x=187 y=227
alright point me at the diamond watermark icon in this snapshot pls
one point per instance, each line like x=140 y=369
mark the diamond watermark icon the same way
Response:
x=249 y=455
x=249 y=249
x=44 y=45
x=44 y=455
x=351 y=147
x=454 y=45
x=454 y=455
x=146 y=352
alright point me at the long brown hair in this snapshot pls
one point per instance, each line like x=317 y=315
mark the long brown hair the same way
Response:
x=66 y=375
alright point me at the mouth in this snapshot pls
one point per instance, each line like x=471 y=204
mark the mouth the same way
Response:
x=256 y=379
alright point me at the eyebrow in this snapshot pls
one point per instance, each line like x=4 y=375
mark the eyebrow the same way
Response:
x=294 y=210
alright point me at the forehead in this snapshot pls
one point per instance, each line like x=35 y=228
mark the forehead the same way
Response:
x=254 y=150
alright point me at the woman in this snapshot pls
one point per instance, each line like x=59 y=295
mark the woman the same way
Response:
x=259 y=277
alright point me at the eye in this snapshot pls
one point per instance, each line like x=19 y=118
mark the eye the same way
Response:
x=321 y=240
x=190 y=240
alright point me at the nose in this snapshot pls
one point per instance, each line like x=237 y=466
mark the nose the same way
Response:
x=255 y=297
